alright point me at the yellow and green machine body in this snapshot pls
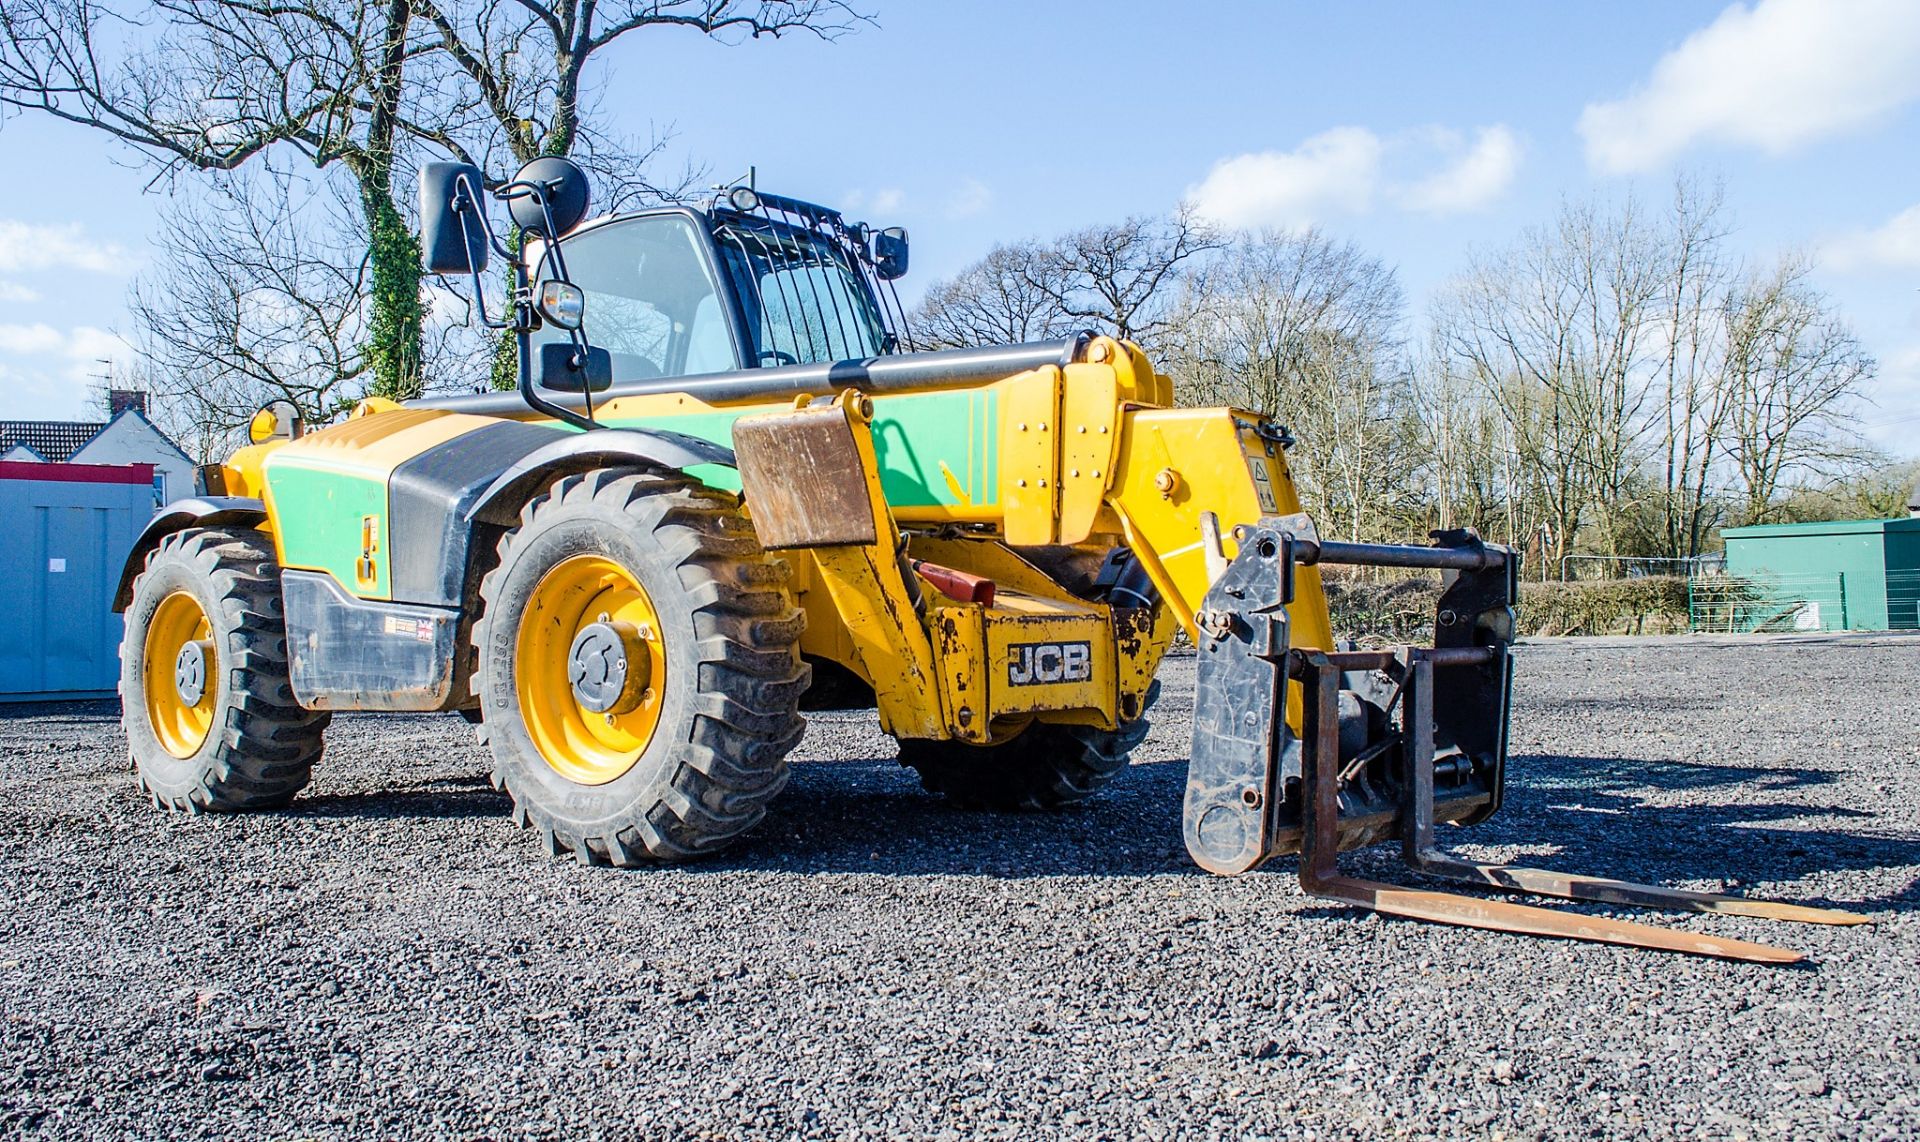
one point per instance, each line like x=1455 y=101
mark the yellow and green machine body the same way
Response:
x=1068 y=460
x=993 y=547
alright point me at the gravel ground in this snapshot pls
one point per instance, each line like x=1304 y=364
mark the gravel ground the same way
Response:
x=392 y=958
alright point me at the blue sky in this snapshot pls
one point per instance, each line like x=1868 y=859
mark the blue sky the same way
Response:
x=1420 y=130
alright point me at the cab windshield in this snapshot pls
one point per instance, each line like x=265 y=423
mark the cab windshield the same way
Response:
x=652 y=301
x=804 y=301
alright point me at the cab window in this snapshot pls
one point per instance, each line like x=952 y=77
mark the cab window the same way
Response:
x=652 y=301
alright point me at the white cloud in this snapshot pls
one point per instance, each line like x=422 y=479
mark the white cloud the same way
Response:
x=886 y=200
x=1433 y=170
x=1775 y=76
x=28 y=340
x=1333 y=172
x=46 y=372
x=82 y=347
x=15 y=292
x=27 y=247
x=1892 y=245
x=973 y=197
x=1478 y=175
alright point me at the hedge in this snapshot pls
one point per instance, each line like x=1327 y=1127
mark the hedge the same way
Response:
x=1376 y=613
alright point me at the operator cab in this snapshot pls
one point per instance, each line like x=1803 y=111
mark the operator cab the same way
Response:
x=754 y=281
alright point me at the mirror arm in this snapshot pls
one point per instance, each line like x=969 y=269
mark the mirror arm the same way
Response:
x=523 y=328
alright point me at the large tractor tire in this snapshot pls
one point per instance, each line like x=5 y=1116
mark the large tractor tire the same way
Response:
x=639 y=668
x=211 y=720
x=1045 y=766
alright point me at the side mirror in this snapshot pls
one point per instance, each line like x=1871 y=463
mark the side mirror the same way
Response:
x=890 y=253
x=276 y=420
x=453 y=229
x=564 y=186
x=559 y=372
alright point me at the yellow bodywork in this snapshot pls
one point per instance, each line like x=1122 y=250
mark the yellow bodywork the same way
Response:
x=1088 y=461
x=1062 y=461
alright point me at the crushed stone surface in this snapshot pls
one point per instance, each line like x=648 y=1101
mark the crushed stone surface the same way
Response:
x=392 y=958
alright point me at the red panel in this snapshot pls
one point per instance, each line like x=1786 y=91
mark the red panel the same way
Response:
x=77 y=473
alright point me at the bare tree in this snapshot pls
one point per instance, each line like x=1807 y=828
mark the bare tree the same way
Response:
x=1878 y=491
x=993 y=302
x=528 y=59
x=1795 y=372
x=1461 y=444
x=213 y=85
x=1304 y=328
x=256 y=295
x=1556 y=330
x=1124 y=278
x=1693 y=374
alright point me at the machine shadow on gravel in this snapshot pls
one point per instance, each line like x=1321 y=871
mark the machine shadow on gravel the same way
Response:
x=448 y=798
x=866 y=816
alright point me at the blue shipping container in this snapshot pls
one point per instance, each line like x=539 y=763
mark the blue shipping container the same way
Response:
x=69 y=532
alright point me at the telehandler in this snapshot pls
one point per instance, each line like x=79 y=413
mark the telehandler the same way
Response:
x=725 y=493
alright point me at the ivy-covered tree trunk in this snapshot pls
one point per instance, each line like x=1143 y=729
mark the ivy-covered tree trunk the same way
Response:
x=505 y=374
x=396 y=309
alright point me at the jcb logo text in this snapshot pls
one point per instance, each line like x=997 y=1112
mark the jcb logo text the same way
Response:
x=1038 y=663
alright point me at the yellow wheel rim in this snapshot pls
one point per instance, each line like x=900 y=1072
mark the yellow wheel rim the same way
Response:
x=581 y=744
x=181 y=721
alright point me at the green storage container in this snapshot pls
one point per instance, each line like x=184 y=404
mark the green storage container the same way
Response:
x=1842 y=575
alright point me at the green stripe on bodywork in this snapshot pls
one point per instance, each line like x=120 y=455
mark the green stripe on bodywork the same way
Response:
x=318 y=507
x=912 y=435
x=318 y=511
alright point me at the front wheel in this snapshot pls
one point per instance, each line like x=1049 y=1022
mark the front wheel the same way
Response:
x=211 y=719
x=639 y=668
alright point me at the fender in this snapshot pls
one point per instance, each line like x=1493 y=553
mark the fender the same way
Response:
x=585 y=451
x=196 y=511
x=439 y=499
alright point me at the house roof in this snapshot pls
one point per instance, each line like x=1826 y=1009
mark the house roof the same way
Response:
x=54 y=441
x=151 y=427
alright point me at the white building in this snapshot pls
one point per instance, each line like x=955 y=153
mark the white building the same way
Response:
x=126 y=437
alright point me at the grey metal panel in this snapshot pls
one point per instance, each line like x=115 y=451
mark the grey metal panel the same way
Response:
x=345 y=653
x=58 y=634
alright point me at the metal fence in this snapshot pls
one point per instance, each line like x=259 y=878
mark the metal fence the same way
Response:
x=1587 y=568
x=1826 y=601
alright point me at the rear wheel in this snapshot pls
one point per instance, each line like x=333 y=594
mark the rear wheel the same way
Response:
x=639 y=668
x=1046 y=766
x=211 y=719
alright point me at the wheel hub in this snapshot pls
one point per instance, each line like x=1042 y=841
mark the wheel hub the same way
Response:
x=179 y=665
x=606 y=668
x=190 y=671
x=589 y=667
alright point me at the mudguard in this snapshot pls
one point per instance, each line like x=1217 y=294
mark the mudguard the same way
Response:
x=438 y=498
x=582 y=452
x=195 y=511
